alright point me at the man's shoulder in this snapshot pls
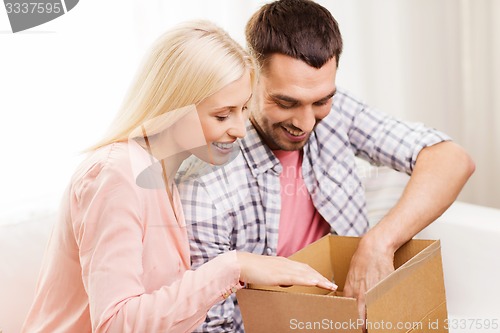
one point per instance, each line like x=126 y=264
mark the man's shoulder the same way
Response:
x=346 y=101
x=221 y=185
x=195 y=171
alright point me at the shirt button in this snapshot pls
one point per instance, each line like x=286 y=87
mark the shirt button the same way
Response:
x=269 y=251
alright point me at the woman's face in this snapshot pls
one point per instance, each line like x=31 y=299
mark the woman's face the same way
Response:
x=223 y=116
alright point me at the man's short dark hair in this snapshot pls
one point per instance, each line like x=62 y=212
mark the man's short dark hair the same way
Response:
x=301 y=29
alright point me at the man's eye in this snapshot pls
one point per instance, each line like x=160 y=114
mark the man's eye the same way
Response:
x=324 y=102
x=285 y=106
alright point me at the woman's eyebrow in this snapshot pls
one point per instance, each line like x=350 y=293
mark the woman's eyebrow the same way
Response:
x=230 y=107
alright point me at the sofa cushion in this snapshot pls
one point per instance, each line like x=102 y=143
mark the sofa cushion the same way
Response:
x=22 y=245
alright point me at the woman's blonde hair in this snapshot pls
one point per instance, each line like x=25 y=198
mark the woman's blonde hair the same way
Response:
x=186 y=65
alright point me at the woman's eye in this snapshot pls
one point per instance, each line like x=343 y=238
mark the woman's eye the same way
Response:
x=221 y=118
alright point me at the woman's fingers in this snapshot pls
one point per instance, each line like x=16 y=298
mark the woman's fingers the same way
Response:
x=307 y=276
x=327 y=285
x=269 y=270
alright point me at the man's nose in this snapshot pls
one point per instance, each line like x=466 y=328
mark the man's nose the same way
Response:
x=304 y=119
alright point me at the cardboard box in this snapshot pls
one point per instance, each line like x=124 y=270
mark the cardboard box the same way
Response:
x=411 y=299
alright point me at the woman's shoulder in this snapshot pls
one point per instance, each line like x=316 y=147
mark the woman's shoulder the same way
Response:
x=112 y=160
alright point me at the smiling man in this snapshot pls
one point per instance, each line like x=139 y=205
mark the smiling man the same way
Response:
x=292 y=98
x=295 y=179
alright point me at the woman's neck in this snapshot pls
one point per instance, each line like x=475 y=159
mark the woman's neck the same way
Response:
x=172 y=164
x=165 y=148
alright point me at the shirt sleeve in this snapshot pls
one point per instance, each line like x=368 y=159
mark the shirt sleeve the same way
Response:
x=209 y=232
x=108 y=226
x=382 y=139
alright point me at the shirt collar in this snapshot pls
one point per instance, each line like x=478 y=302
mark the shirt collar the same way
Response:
x=257 y=154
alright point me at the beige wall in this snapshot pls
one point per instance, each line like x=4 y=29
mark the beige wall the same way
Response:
x=432 y=61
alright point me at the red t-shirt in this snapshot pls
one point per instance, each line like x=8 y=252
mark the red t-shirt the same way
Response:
x=300 y=222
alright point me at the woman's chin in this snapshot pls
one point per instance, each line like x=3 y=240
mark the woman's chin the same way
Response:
x=215 y=156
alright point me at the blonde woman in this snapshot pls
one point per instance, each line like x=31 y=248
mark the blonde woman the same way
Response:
x=118 y=258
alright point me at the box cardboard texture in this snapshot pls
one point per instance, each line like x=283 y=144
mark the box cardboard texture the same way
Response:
x=411 y=299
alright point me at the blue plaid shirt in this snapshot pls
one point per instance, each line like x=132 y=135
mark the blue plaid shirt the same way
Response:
x=237 y=207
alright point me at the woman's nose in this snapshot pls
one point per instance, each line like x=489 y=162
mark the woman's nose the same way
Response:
x=238 y=127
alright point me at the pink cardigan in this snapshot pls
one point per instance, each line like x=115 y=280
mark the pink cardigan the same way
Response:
x=118 y=261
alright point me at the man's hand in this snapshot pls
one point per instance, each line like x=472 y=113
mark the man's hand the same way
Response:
x=371 y=263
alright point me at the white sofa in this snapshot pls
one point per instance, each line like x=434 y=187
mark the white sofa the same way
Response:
x=470 y=239
x=470 y=247
x=21 y=250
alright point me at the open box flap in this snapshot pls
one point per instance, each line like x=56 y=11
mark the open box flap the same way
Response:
x=413 y=293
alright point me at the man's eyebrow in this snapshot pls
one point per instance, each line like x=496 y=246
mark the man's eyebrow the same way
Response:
x=330 y=95
x=284 y=98
x=289 y=99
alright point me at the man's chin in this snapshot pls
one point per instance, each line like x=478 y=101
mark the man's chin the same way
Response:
x=290 y=146
x=294 y=147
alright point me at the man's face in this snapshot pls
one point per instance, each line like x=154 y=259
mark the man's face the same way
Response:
x=292 y=97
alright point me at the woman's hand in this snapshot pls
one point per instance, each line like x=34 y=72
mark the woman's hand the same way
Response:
x=273 y=271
